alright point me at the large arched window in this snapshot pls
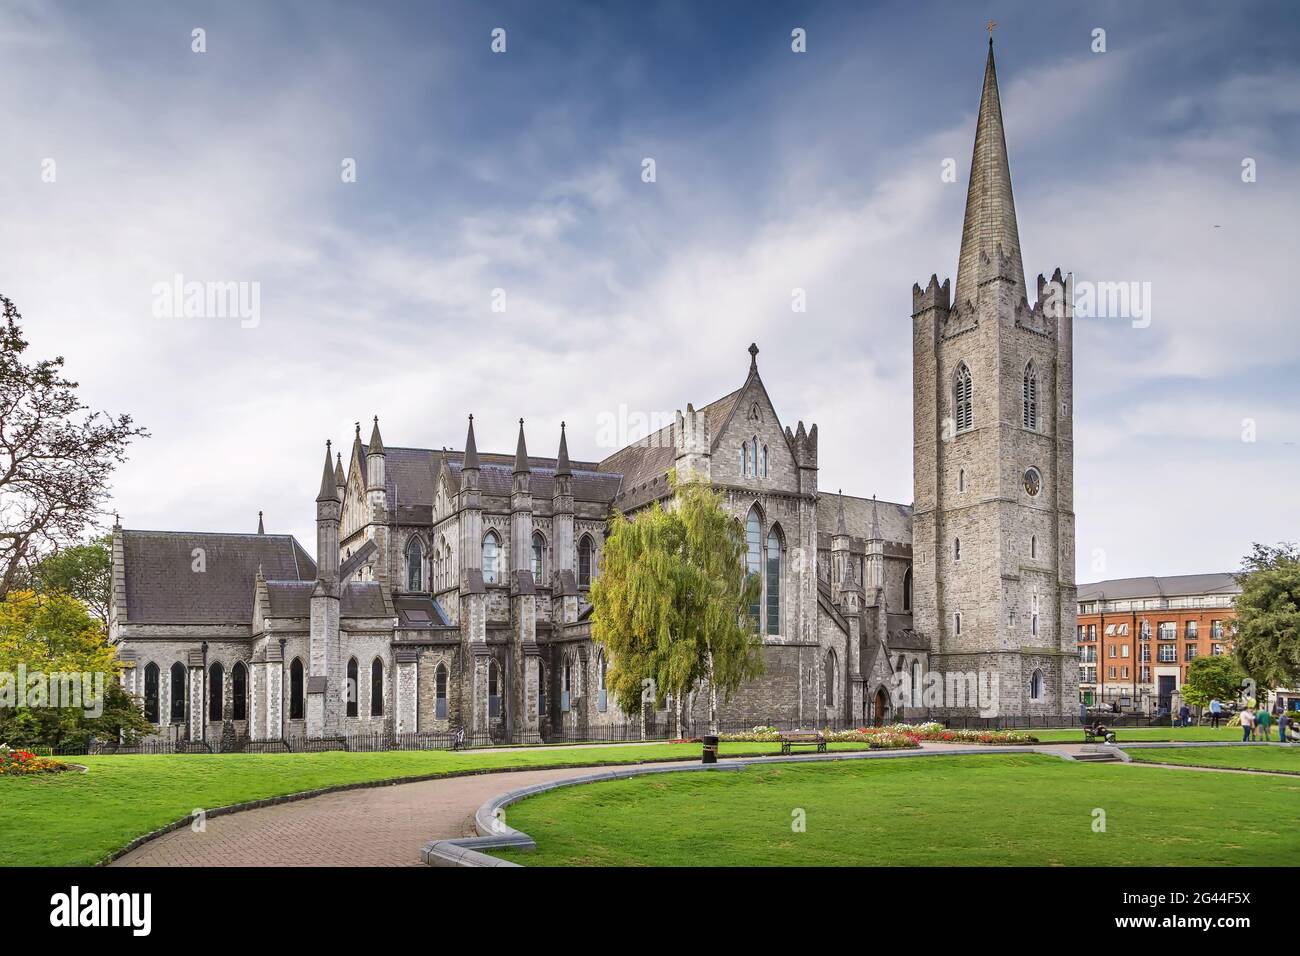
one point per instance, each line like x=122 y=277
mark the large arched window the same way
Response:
x=239 y=691
x=1030 y=402
x=830 y=679
x=773 y=582
x=916 y=683
x=584 y=561
x=907 y=590
x=566 y=683
x=963 y=399
x=440 y=692
x=753 y=458
x=754 y=555
x=151 y=692
x=215 y=675
x=539 y=550
x=297 y=706
x=541 y=688
x=1036 y=686
x=490 y=548
x=353 y=689
x=494 y=690
x=178 y=693
x=414 y=565
x=377 y=688
x=744 y=458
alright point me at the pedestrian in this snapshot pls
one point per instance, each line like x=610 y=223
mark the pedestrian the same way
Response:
x=1283 y=723
x=1216 y=711
x=1263 y=720
x=1184 y=715
x=1247 y=724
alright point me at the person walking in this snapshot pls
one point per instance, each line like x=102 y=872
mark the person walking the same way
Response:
x=1283 y=723
x=1184 y=715
x=1263 y=720
x=1247 y=724
x=1216 y=712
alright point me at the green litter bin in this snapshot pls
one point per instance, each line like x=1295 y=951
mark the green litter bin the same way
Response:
x=710 y=749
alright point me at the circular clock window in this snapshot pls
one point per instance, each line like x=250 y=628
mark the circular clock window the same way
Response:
x=1033 y=482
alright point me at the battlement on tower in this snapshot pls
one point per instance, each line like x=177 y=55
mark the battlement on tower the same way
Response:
x=933 y=296
x=804 y=444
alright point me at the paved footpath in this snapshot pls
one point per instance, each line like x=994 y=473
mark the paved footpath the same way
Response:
x=376 y=826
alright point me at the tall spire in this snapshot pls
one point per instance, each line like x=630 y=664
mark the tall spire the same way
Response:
x=990 y=210
x=562 y=466
x=328 y=490
x=471 y=448
x=840 y=526
x=376 y=446
x=875 y=520
x=261 y=528
x=521 y=451
x=340 y=478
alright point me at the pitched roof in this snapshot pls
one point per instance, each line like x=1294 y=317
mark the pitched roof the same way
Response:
x=1181 y=585
x=990 y=209
x=895 y=520
x=293 y=599
x=162 y=586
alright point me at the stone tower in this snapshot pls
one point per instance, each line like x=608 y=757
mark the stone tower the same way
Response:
x=325 y=690
x=993 y=522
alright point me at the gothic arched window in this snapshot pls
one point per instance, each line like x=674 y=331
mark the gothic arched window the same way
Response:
x=956 y=549
x=764 y=461
x=744 y=458
x=178 y=693
x=916 y=683
x=440 y=692
x=753 y=458
x=539 y=549
x=754 y=556
x=352 y=688
x=414 y=560
x=215 y=675
x=956 y=622
x=907 y=590
x=490 y=548
x=377 y=688
x=151 y=692
x=494 y=690
x=1033 y=546
x=584 y=561
x=963 y=399
x=239 y=691
x=1036 y=686
x=297 y=706
x=830 y=678
x=1030 y=405
x=773 y=582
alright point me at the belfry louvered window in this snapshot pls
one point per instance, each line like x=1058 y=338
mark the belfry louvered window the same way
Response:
x=1031 y=397
x=963 y=394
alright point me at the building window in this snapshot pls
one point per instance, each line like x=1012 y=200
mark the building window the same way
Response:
x=956 y=622
x=414 y=561
x=1144 y=675
x=961 y=480
x=296 y=702
x=541 y=688
x=584 y=562
x=1123 y=672
x=491 y=546
x=440 y=691
x=1110 y=651
x=1190 y=652
x=494 y=691
x=1191 y=630
x=1123 y=651
x=178 y=693
x=1216 y=630
x=916 y=683
x=1036 y=686
x=754 y=557
x=566 y=681
x=744 y=458
x=602 y=693
x=352 y=692
x=907 y=590
x=963 y=395
x=539 y=549
x=239 y=691
x=1145 y=630
x=773 y=582
x=1168 y=654
x=956 y=549
x=1166 y=631
x=151 y=692
x=376 y=688
x=215 y=675
x=1145 y=654
x=1033 y=624
x=1033 y=546
x=830 y=678
x=1030 y=404
x=1216 y=650
x=764 y=461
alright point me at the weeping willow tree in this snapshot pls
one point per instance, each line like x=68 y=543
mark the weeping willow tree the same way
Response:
x=671 y=604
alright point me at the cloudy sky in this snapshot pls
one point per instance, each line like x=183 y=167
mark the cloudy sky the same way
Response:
x=522 y=171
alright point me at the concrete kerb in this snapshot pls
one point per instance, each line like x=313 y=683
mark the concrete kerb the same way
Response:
x=495 y=833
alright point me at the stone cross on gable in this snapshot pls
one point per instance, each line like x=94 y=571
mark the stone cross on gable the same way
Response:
x=992 y=24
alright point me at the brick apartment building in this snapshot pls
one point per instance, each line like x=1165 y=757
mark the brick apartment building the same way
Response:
x=1137 y=636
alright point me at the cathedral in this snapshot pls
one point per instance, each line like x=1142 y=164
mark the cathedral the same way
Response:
x=450 y=587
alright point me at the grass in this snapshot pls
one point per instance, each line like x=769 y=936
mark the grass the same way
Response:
x=1129 y=734
x=75 y=819
x=937 y=811
x=1286 y=759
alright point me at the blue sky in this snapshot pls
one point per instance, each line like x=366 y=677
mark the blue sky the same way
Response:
x=775 y=170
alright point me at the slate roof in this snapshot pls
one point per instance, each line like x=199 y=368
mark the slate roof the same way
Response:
x=895 y=519
x=162 y=587
x=1181 y=585
x=293 y=599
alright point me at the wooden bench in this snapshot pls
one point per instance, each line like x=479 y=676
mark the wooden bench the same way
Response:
x=1091 y=735
x=802 y=738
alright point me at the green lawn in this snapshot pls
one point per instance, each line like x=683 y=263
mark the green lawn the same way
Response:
x=74 y=819
x=1241 y=758
x=1146 y=733
x=942 y=811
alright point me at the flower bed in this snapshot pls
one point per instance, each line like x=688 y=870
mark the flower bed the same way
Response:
x=14 y=763
x=885 y=738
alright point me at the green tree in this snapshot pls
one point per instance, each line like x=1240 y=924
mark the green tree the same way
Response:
x=1211 y=677
x=671 y=604
x=50 y=634
x=83 y=571
x=1266 y=642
